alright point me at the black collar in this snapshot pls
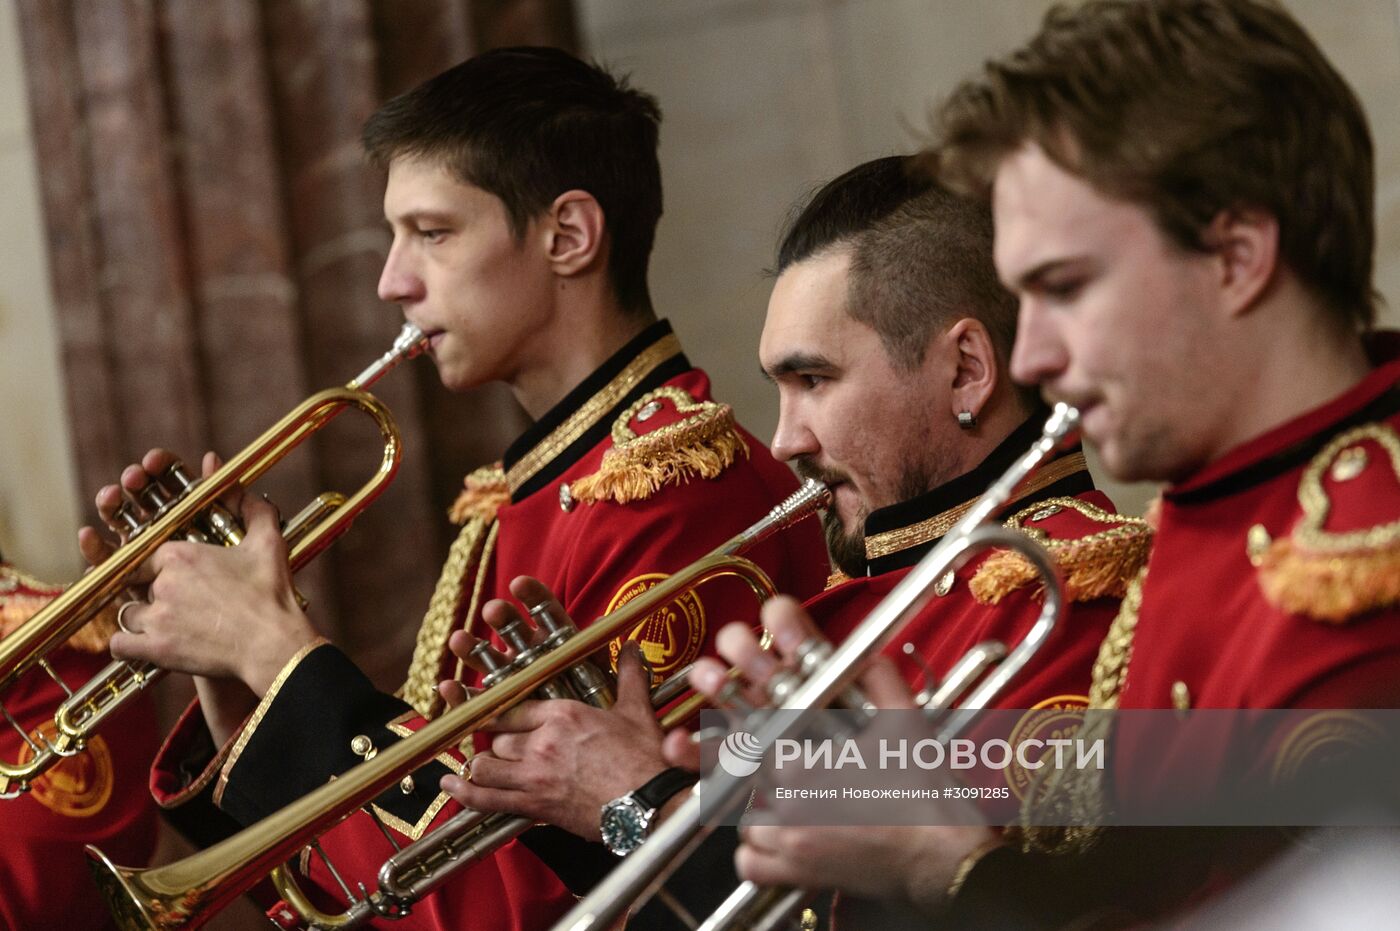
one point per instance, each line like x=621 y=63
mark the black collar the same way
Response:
x=898 y=536
x=584 y=416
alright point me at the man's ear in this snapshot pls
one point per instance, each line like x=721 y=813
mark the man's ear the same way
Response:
x=575 y=233
x=975 y=367
x=1245 y=242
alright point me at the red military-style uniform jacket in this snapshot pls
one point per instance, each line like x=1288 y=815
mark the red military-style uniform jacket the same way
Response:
x=1059 y=505
x=95 y=797
x=1274 y=582
x=634 y=475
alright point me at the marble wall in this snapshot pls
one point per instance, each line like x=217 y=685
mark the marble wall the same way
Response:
x=764 y=99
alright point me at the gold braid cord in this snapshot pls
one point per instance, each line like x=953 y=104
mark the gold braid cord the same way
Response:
x=467 y=561
x=1335 y=576
x=22 y=595
x=1077 y=798
x=1099 y=565
x=701 y=445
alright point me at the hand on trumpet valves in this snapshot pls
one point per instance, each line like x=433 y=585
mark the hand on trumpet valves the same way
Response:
x=559 y=761
x=912 y=865
x=213 y=611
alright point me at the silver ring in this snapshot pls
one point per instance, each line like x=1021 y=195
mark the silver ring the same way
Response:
x=122 y=611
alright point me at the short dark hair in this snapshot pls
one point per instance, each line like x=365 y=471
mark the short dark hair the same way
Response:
x=528 y=124
x=921 y=256
x=1189 y=108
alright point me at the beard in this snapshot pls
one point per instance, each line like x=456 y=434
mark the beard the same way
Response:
x=847 y=547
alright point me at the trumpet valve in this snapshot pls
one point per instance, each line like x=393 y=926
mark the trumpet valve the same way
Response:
x=515 y=636
x=544 y=619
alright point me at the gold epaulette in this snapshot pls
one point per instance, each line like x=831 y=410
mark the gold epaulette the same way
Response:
x=21 y=597
x=484 y=493
x=837 y=577
x=1336 y=573
x=699 y=440
x=1094 y=565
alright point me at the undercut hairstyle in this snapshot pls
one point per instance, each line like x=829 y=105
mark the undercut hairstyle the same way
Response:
x=921 y=256
x=1189 y=108
x=528 y=124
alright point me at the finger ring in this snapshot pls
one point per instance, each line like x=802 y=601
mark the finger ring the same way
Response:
x=122 y=611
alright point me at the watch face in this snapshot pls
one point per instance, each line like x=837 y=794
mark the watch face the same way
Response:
x=623 y=825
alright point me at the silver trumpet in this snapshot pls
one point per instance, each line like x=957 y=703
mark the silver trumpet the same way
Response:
x=823 y=675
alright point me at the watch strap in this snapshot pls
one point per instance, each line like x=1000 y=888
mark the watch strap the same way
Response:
x=658 y=790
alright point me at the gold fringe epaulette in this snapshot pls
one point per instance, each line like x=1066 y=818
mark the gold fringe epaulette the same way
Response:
x=836 y=578
x=702 y=444
x=484 y=494
x=21 y=597
x=1333 y=576
x=1099 y=565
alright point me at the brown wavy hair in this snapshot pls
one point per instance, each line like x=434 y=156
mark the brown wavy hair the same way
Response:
x=1189 y=108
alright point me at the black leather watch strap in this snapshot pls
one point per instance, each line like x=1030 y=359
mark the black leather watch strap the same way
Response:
x=659 y=789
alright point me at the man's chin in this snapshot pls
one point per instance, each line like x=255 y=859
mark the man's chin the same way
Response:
x=847 y=550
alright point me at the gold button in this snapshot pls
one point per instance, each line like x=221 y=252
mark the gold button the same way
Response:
x=1181 y=696
x=361 y=745
x=406 y=785
x=944 y=585
x=1349 y=463
x=809 y=920
x=566 y=498
x=1257 y=543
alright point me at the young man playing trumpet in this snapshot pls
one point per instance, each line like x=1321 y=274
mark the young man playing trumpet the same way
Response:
x=523 y=194
x=887 y=337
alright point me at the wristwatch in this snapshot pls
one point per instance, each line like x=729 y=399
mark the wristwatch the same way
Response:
x=625 y=822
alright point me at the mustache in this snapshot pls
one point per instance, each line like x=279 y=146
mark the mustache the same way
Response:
x=807 y=468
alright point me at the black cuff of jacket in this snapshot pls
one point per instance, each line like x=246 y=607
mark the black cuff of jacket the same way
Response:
x=303 y=739
x=1006 y=889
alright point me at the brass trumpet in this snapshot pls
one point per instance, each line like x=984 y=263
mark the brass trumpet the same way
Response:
x=189 y=892
x=192 y=512
x=824 y=675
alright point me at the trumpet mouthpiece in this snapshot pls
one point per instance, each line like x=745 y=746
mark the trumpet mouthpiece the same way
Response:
x=409 y=343
x=1063 y=422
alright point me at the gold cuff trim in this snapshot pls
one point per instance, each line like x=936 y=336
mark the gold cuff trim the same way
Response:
x=206 y=775
x=592 y=411
x=246 y=734
x=892 y=541
x=415 y=831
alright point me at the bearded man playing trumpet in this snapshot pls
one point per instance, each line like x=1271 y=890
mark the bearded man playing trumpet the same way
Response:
x=888 y=338
x=523 y=193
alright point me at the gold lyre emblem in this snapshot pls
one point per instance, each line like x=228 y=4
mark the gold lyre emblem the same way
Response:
x=78 y=786
x=671 y=636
